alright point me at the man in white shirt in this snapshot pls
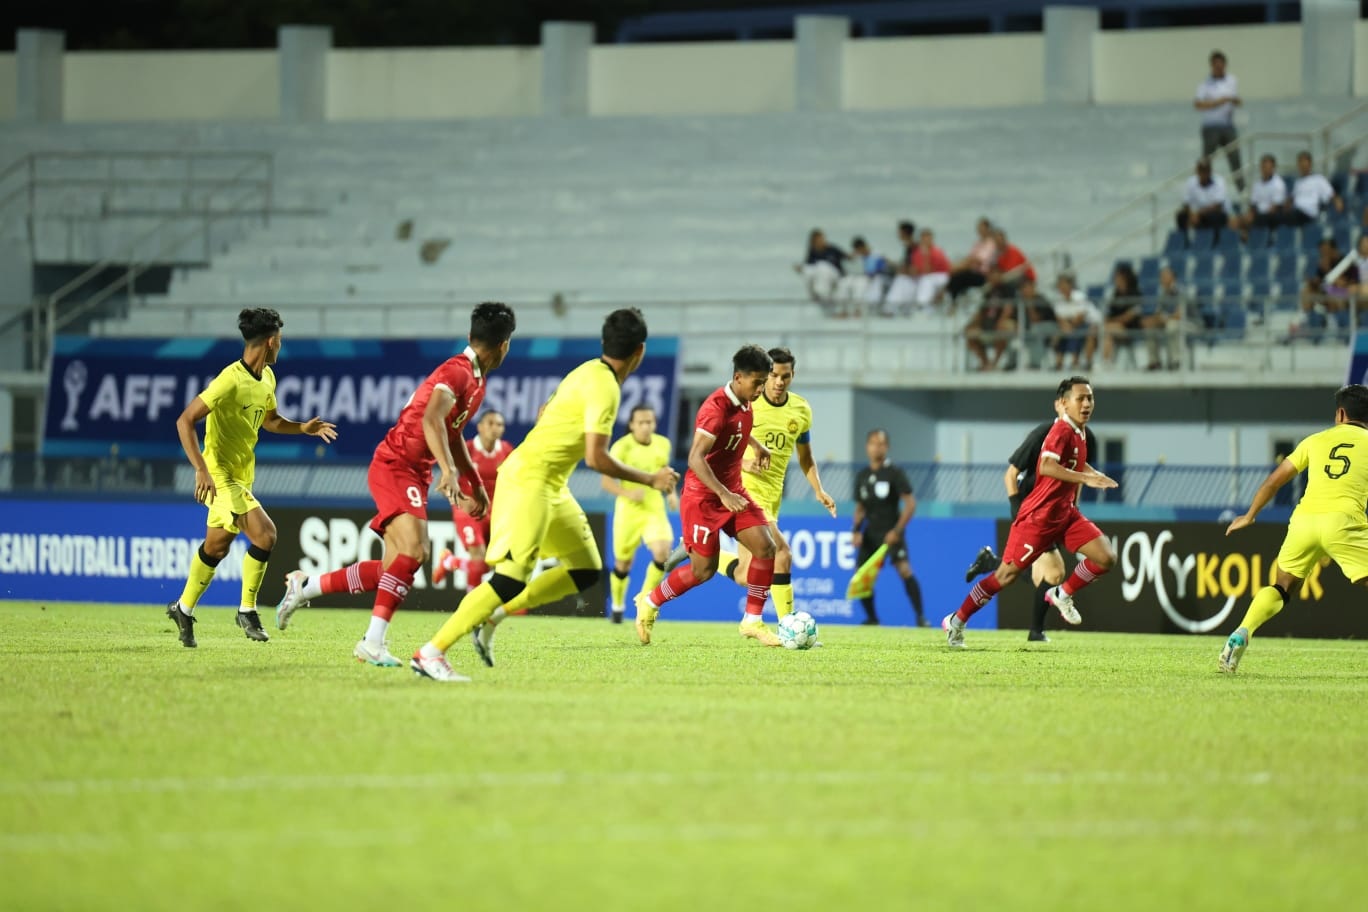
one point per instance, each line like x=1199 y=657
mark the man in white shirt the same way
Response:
x=1266 y=201
x=1205 y=204
x=1310 y=194
x=1217 y=98
x=1078 y=320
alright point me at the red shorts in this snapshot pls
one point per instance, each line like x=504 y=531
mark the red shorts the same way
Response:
x=1031 y=537
x=473 y=533
x=397 y=487
x=703 y=517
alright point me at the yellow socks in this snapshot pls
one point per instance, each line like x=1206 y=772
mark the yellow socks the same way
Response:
x=478 y=604
x=728 y=563
x=1268 y=601
x=253 y=572
x=654 y=574
x=618 y=586
x=781 y=590
x=201 y=574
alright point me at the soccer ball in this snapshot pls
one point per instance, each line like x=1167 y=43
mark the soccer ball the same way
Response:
x=798 y=631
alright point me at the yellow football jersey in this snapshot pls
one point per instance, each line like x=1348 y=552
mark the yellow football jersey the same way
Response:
x=780 y=428
x=648 y=457
x=585 y=402
x=238 y=401
x=1338 y=479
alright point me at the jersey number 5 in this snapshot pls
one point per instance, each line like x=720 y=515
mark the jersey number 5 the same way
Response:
x=1336 y=456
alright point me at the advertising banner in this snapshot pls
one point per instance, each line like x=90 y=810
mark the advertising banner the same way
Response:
x=129 y=392
x=1191 y=578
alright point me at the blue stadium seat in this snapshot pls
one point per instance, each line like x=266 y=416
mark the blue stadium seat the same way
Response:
x=1311 y=236
x=1229 y=288
x=1259 y=237
x=1285 y=238
x=1175 y=243
x=1228 y=241
x=1204 y=239
x=1287 y=271
x=1361 y=183
x=1344 y=237
x=1232 y=265
x=1233 y=319
x=1258 y=266
x=1096 y=293
x=1260 y=288
x=1202 y=275
x=1149 y=287
x=1149 y=268
x=1340 y=181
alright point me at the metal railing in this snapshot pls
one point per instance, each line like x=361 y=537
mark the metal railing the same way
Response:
x=1148 y=216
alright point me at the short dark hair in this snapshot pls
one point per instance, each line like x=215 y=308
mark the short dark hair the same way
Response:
x=1306 y=154
x=1068 y=383
x=623 y=331
x=639 y=407
x=258 y=323
x=1353 y=398
x=782 y=355
x=858 y=241
x=873 y=431
x=492 y=323
x=907 y=227
x=487 y=412
x=1266 y=157
x=1218 y=55
x=751 y=359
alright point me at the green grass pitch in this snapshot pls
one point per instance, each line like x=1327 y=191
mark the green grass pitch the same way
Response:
x=882 y=771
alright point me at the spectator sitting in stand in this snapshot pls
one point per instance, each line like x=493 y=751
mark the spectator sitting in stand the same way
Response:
x=1266 y=200
x=1311 y=193
x=1172 y=314
x=1205 y=204
x=992 y=324
x=929 y=272
x=1042 y=329
x=1322 y=295
x=1010 y=270
x=1078 y=319
x=1124 y=310
x=972 y=271
x=903 y=291
x=823 y=267
x=864 y=283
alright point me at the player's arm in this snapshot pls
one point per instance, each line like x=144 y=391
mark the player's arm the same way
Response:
x=314 y=427
x=453 y=465
x=762 y=455
x=1050 y=468
x=597 y=457
x=698 y=462
x=809 y=467
x=194 y=413
x=1285 y=472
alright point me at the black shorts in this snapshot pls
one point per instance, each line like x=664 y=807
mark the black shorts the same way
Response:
x=871 y=542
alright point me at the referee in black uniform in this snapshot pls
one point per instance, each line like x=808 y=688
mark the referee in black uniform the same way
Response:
x=884 y=504
x=1019 y=479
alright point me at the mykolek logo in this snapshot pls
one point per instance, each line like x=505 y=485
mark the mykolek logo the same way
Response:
x=1197 y=590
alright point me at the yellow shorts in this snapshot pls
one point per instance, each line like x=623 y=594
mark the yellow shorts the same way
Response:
x=232 y=498
x=529 y=522
x=770 y=507
x=633 y=527
x=1343 y=538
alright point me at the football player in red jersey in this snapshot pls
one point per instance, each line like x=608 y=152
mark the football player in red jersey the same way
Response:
x=1050 y=515
x=715 y=501
x=428 y=432
x=488 y=450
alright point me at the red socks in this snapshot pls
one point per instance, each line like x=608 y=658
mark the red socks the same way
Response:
x=680 y=581
x=475 y=571
x=359 y=577
x=1084 y=573
x=394 y=585
x=758 y=579
x=980 y=595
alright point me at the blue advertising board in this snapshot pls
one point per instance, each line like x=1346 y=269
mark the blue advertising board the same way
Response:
x=129 y=392
x=1358 y=358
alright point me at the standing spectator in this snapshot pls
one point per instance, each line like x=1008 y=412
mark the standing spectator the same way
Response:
x=1010 y=270
x=1266 y=201
x=1310 y=194
x=1078 y=319
x=1172 y=313
x=822 y=268
x=1217 y=98
x=972 y=271
x=928 y=274
x=1124 y=310
x=1205 y=204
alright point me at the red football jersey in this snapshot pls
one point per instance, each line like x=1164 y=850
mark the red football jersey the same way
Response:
x=464 y=379
x=728 y=420
x=1051 y=497
x=487 y=464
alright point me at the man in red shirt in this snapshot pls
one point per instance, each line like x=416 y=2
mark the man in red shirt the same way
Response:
x=1050 y=515
x=715 y=501
x=428 y=432
x=488 y=450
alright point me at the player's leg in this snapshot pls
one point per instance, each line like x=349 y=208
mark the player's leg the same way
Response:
x=214 y=548
x=627 y=530
x=1023 y=548
x=910 y=583
x=733 y=565
x=261 y=532
x=753 y=531
x=702 y=517
x=1301 y=550
x=1081 y=537
x=781 y=589
x=406 y=544
x=1046 y=573
x=657 y=538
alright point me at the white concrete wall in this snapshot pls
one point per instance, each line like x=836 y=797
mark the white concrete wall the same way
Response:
x=434 y=84
x=9 y=86
x=171 y=85
x=1152 y=65
x=1361 y=57
x=698 y=78
x=954 y=71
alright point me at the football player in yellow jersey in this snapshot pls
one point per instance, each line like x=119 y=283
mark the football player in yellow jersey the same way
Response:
x=1328 y=522
x=238 y=404
x=639 y=516
x=534 y=514
x=783 y=423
